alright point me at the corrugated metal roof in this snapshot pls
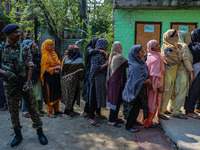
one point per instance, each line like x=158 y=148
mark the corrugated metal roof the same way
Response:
x=158 y=4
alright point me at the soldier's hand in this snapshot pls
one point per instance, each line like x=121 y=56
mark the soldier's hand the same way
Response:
x=11 y=76
x=25 y=87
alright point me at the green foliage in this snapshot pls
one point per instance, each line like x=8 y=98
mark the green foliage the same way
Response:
x=100 y=23
x=58 y=15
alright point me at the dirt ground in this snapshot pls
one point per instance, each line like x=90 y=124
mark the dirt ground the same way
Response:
x=63 y=134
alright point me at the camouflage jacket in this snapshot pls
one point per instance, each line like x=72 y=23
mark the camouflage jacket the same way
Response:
x=10 y=58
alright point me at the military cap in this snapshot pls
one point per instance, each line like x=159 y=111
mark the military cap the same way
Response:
x=9 y=28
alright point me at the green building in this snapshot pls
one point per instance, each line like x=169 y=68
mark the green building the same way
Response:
x=138 y=21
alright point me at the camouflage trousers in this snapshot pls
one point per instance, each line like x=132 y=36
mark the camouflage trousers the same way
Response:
x=13 y=104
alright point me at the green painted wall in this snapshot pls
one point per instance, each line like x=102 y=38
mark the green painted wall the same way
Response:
x=125 y=22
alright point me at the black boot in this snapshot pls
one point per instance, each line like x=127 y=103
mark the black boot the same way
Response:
x=18 y=138
x=42 y=137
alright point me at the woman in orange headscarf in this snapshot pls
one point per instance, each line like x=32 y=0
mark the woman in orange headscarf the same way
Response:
x=50 y=77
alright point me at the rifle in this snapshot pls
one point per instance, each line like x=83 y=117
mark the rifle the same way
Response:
x=21 y=81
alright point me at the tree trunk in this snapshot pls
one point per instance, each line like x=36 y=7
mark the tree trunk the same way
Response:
x=57 y=46
x=84 y=16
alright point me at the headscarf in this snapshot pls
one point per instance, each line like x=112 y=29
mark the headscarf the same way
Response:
x=101 y=44
x=92 y=43
x=49 y=59
x=116 y=59
x=137 y=74
x=73 y=54
x=182 y=37
x=195 y=37
x=155 y=68
x=169 y=49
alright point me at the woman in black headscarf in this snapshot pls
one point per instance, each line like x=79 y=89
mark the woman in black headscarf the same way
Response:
x=97 y=83
x=194 y=97
x=89 y=52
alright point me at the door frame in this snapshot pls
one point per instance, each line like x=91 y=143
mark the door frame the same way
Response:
x=184 y=23
x=146 y=22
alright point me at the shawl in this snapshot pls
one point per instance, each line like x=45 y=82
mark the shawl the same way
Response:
x=90 y=45
x=137 y=74
x=169 y=49
x=157 y=67
x=49 y=59
x=116 y=59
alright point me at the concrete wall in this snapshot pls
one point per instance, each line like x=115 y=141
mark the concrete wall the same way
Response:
x=125 y=22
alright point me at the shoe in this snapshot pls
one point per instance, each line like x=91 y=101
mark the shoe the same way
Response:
x=42 y=138
x=17 y=139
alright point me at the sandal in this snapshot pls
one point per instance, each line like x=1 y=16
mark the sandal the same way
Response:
x=85 y=116
x=132 y=130
x=197 y=110
x=167 y=112
x=26 y=114
x=119 y=121
x=180 y=116
x=114 y=124
x=153 y=125
x=68 y=117
x=101 y=116
x=94 y=123
x=163 y=117
x=42 y=112
x=195 y=116
x=138 y=123
x=51 y=116
x=76 y=113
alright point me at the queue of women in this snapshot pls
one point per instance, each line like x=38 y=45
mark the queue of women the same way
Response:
x=167 y=75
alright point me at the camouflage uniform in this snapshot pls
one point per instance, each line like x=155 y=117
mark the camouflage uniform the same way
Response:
x=9 y=53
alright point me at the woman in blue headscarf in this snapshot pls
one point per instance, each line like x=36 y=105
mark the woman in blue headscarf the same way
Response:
x=135 y=91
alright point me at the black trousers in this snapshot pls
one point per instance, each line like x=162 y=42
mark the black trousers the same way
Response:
x=193 y=96
x=2 y=95
x=93 y=103
x=133 y=114
x=114 y=113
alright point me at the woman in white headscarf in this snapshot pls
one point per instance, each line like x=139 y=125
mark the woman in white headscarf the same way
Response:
x=116 y=77
x=185 y=71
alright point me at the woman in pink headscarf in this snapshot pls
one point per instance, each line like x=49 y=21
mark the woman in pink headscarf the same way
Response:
x=156 y=69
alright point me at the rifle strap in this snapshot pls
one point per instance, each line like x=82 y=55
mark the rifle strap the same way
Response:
x=20 y=55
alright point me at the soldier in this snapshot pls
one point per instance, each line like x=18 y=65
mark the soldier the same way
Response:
x=16 y=69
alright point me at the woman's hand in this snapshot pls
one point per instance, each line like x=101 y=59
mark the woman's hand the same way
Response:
x=161 y=90
x=57 y=71
x=57 y=68
x=191 y=76
x=104 y=52
x=105 y=65
x=179 y=46
x=148 y=81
